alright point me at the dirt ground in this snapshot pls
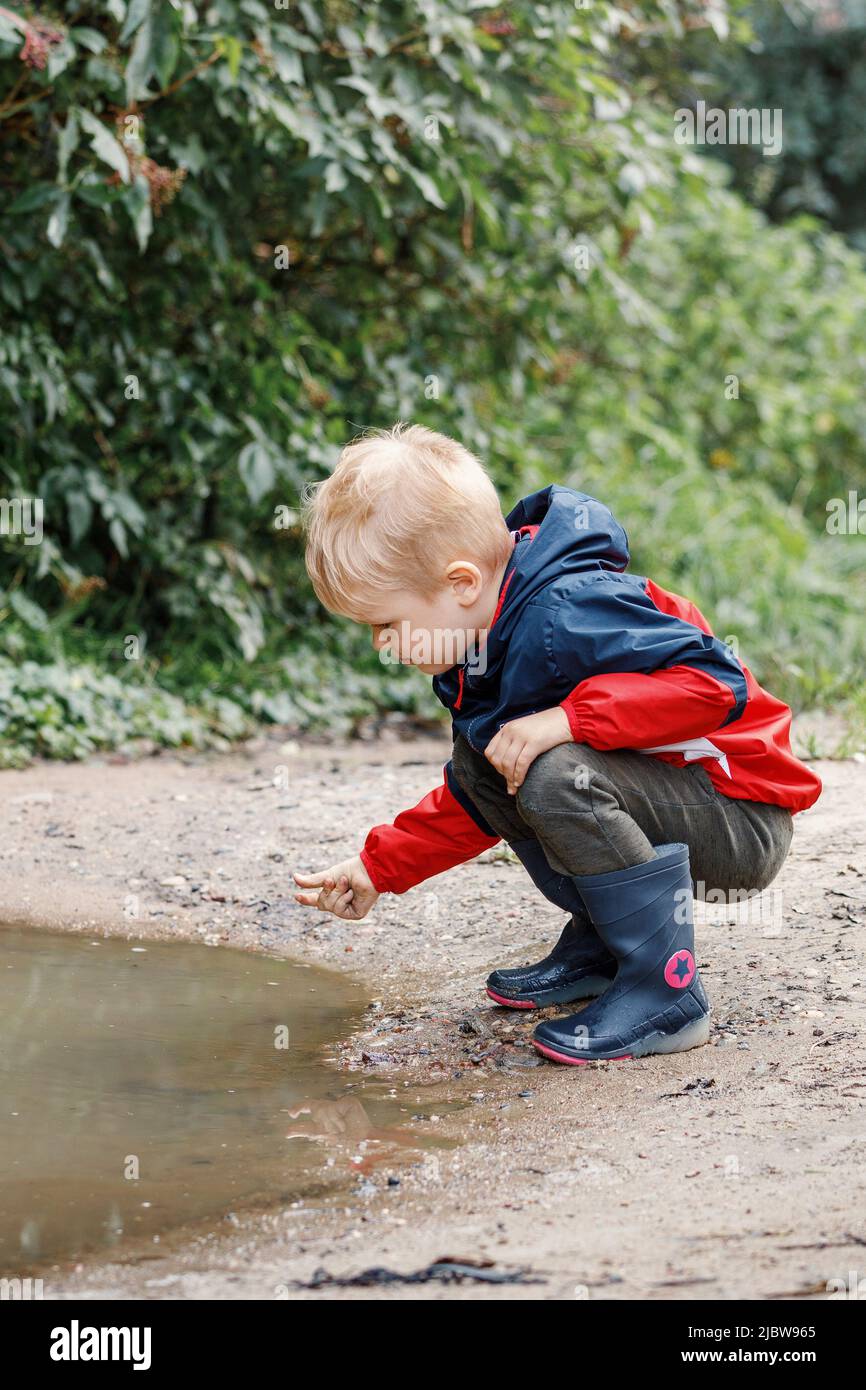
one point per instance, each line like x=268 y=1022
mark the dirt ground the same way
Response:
x=732 y=1171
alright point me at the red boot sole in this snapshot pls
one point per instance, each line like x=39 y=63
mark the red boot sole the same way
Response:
x=577 y=1061
x=512 y=1003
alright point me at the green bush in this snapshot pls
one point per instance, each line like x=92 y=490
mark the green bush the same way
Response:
x=234 y=237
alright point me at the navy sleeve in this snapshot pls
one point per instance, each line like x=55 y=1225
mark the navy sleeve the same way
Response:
x=611 y=625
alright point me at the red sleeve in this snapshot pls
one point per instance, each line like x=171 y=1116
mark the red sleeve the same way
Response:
x=632 y=710
x=433 y=836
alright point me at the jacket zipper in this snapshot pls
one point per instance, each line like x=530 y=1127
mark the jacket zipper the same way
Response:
x=458 y=702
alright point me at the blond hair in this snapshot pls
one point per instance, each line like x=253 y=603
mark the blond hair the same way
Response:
x=400 y=505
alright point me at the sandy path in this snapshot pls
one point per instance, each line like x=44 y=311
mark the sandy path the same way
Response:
x=731 y=1171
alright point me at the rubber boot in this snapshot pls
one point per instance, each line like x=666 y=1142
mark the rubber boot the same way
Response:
x=657 y=1002
x=578 y=967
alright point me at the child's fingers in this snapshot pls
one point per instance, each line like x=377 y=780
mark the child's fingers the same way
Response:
x=331 y=894
x=492 y=745
x=326 y=893
x=310 y=880
x=507 y=766
x=344 y=906
x=339 y=888
x=314 y=897
x=522 y=764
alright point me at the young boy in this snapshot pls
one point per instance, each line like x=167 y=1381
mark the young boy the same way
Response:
x=629 y=759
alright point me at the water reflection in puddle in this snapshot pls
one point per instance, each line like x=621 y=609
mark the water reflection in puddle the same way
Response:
x=144 y=1086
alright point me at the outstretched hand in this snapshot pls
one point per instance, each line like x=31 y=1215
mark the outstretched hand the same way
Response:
x=345 y=890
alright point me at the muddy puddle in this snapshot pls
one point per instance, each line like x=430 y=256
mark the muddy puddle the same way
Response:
x=145 y=1086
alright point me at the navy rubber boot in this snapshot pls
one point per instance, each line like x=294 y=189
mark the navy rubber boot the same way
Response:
x=578 y=967
x=657 y=1002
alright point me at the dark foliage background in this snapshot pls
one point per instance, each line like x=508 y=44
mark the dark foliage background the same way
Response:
x=809 y=60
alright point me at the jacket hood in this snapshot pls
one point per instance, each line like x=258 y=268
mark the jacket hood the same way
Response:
x=576 y=534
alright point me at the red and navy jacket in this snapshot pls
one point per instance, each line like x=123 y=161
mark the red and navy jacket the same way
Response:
x=632 y=666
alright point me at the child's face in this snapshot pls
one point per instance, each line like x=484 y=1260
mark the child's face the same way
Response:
x=436 y=634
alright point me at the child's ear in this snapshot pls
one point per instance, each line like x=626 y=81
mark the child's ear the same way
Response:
x=465 y=579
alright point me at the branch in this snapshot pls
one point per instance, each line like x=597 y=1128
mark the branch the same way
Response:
x=13 y=110
x=193 y=72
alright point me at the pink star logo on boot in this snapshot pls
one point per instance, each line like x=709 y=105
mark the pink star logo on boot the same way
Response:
x=680 y=970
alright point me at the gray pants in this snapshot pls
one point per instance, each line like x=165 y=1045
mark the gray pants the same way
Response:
x=593 y=812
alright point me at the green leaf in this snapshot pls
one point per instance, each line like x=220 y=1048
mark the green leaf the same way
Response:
x=165 y=48
x=189 y=153
x=90 y=39
x=28 y=611
x=257 y=470
x=335 y=178
x=11 y=292
x=79 y=511
x=35 y=197
x=156 y=50
x=426 y=185
x=139 y=69
x=59 y=58
x=58 y=221
x=137 y=12
x=136 y=200
x=117 y=532
x=717 y=17
x=289 y=67
x=105 y=145
x=98 y=194
x=100 y=265
x=11 y=28
x=232 y=50
x=66 y=143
